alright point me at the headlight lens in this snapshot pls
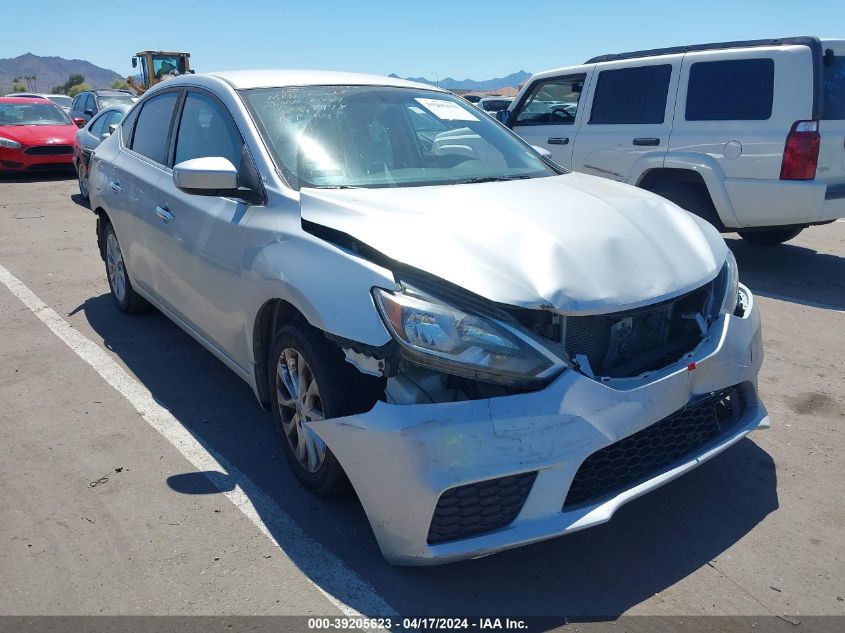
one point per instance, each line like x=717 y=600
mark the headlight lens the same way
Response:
x=731 y=296
x=448 y=339
x=9 y=143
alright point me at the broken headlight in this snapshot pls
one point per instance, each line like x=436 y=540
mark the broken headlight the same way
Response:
x=731 y=290
x=448 y=339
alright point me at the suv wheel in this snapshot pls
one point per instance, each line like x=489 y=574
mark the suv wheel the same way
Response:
x=310 y=380
x=691 y=197
x=771 y=237
x=121 y=288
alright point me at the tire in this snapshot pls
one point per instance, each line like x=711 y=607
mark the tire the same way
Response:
x=691 y=197
x=82 y=181
x=303 y=360
x=770 y=237
x=124 y=294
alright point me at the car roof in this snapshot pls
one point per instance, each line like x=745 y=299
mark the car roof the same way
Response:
x=19 y=100
x=27 y=95
x=247 y=79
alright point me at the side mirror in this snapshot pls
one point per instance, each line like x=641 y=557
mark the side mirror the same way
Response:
x=134 y=62
x=112 y=128
x=503 y=116
x=208 y=176
x=542 y=151
x=88 y=111
x=79 y=121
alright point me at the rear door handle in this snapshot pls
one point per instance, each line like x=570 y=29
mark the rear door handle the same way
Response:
x=558 y=141
x=115 y=186
x=647 y=141
x=165 y=215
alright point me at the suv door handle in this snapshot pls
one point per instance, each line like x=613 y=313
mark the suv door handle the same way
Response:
x=647 y=141
x=558 y=140
x=115 y=186
x=166 y=216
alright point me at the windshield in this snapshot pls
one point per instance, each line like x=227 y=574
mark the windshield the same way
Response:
x=65 y=102
x=32 y=114
x=377 y=136
x=109 y=100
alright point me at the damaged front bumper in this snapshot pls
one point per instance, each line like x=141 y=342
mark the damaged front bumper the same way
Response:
x=506 y=465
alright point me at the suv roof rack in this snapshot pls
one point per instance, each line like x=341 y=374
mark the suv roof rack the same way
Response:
x=812 y=42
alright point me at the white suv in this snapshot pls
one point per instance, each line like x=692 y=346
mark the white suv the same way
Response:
x=748 y=135
x=491 y=351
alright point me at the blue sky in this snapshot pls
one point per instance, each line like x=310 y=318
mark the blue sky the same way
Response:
x=457 y=38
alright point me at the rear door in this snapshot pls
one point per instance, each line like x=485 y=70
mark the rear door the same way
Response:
x=628 y=117
x=831 y=166
x=133 y=187
x=548 y=114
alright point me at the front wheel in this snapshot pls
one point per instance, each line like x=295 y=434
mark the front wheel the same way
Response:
x=770 y=237
x=311 y=381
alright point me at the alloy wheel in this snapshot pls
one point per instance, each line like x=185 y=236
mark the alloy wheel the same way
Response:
x=299 y=402
x=115 y=268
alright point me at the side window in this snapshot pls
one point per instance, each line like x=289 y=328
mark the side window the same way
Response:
x=89 y=103
x=732 y=90
x=98 y=127
x=128 y=125
x=75 y=105
x=112 y=118
x=207 y=129
x=552 y=102
x=150 y=138
x=631 y=95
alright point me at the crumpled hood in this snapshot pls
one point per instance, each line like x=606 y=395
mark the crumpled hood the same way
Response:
x=39 y=134
x=574 y=243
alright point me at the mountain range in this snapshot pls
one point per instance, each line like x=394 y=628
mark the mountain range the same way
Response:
x=53 y=71
x=514 y=79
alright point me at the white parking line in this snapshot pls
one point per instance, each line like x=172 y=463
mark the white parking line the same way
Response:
x=339 y=584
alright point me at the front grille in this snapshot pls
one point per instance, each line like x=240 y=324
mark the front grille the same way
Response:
x=649 y=452
x=480 y=507
x=635 y=341
x=49 y=150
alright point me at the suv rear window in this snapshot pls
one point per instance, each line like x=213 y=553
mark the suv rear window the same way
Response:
x=732 y=90
x=631 y=95
x=834 y=89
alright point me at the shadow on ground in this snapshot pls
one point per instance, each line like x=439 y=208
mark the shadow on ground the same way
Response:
x=52 y=175
x=650 y=544
x=791 y=272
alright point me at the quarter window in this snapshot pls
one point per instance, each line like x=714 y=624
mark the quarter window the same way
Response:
x=631 y=95
x=732 y=90
x=207 y=129
x=150 y=138
x=552 y=102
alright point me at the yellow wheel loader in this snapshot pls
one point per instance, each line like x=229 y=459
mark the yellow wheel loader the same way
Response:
x=157 y=66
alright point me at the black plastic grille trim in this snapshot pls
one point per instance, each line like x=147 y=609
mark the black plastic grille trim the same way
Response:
x=645 y=454
x=480 y=507
x=49 y=150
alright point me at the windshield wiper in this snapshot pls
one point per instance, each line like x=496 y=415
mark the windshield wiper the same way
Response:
x=490 y=179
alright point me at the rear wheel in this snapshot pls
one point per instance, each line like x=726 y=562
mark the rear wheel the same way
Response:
x=121 y=288
x=310 y=381
x=691 y=197
x=771 y=237
x=83 y=182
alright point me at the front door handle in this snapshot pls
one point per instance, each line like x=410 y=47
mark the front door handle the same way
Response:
x=165 y=215
x=115 y=186
x=558 y=141
x=647 y=141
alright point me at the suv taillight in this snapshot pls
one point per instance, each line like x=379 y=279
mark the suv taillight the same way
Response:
x=801 y=153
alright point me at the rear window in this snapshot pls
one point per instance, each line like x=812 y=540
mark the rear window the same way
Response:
x=631 y=95
x=733 y=90
x=834 y=89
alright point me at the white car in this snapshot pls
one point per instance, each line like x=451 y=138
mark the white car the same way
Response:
x=490 y=351
x=63 y=101
x=747 y=135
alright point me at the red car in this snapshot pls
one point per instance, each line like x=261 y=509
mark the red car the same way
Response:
x=35 y=134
